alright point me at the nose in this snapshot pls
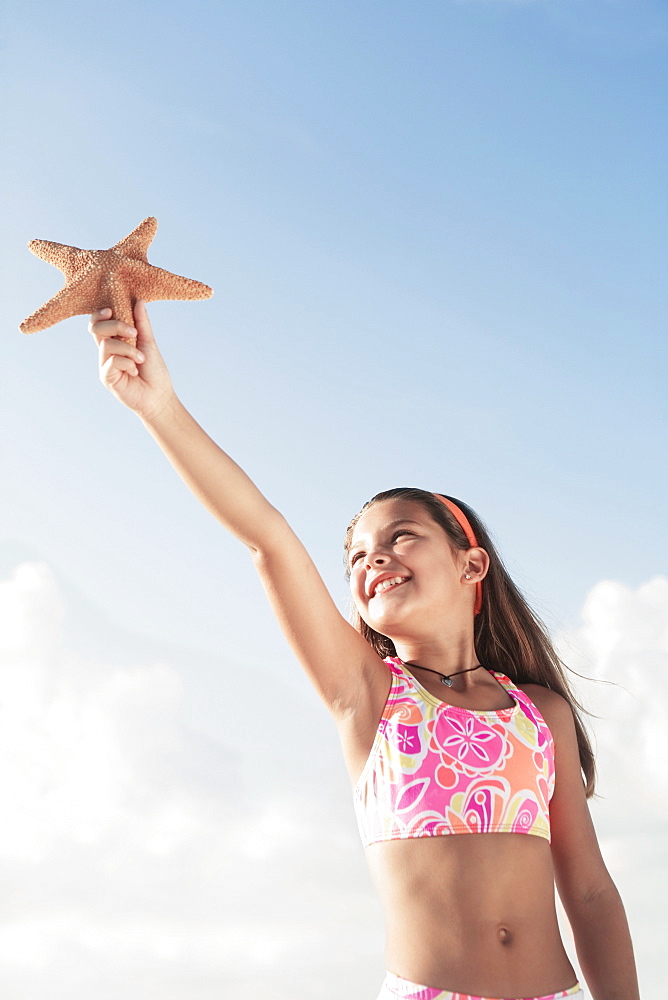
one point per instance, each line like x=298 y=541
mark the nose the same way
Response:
x=377 y=558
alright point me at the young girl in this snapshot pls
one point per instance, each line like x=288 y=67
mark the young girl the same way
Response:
x=458 y=728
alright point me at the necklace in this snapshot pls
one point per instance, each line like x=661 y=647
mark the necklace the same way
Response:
x=446 y=678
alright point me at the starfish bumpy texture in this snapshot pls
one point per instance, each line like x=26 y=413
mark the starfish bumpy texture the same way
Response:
x=114 y=279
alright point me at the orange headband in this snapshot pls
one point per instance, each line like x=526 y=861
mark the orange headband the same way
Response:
x=463 y=522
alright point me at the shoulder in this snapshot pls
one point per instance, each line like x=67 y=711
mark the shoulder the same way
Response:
x=554 y=708
x=544 y=696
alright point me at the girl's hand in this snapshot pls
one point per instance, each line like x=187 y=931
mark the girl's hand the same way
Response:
x=137 y=376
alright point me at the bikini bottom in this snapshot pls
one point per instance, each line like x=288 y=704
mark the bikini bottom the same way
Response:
x=395 y=987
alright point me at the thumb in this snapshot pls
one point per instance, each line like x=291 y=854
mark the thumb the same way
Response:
x=145 y=337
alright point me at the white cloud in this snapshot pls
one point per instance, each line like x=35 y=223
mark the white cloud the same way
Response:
x=623 y=642
x=131 y=852
x=140 y=858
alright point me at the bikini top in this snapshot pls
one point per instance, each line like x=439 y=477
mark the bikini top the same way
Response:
x=436 y=769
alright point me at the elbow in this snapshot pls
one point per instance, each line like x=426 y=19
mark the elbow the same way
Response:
x=582 y=901
x=267 y=538
x=595 y=893
x=272 y=543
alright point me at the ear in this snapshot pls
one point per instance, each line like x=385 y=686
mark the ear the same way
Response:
x=476 y=564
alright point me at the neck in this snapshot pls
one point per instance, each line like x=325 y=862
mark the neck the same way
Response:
x=443 y=657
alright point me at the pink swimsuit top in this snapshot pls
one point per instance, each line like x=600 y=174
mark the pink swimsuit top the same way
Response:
x=436 y=769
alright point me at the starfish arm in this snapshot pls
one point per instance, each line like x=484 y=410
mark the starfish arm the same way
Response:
x=77 y=298
x=117 y=293
x=136 y=243
x=70 y=260
x=115 y=278
x=152 y=283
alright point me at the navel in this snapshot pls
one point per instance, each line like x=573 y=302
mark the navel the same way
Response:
x=505 y=937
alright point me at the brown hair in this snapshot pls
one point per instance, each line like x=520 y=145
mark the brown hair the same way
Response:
x=509 y=637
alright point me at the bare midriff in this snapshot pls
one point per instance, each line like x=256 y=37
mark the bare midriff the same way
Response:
x=472 y=913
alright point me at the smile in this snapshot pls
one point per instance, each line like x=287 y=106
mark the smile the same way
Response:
x=384 y=585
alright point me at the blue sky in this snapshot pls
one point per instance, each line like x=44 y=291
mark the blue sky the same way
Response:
x=437 y=238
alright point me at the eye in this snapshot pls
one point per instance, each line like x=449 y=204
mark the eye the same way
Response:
x=358 y=555
x=400 y=532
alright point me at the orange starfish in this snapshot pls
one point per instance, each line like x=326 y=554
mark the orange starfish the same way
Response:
x=114 y=278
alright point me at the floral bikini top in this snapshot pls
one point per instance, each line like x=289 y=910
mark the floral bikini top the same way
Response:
x=436 y=769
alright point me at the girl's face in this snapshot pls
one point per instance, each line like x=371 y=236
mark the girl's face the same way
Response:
x=405 y=577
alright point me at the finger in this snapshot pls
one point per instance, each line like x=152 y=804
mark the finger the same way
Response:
x=114 y=328
x=110 y=346
x=115 y=367
x=143 y=324
x=97 y=316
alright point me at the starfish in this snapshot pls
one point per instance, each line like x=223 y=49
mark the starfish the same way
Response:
x=114 y=278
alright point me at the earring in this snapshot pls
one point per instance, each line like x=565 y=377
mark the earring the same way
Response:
x=467 y=576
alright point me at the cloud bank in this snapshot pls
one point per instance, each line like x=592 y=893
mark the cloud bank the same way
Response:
x=133 y=862
x=138 y=859
x=623 y=642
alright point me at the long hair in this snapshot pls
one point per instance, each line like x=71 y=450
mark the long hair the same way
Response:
x=509 y=637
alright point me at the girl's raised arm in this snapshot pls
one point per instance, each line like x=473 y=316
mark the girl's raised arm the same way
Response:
x=347 y=673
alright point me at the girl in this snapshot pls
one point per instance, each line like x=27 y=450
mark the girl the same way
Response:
x=458 y=727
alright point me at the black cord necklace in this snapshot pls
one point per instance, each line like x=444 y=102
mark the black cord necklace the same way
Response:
x=445 y=678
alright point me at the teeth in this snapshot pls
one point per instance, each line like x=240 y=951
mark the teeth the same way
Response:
x=386 y=584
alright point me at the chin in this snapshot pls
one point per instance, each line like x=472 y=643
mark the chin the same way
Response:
x=383 y=626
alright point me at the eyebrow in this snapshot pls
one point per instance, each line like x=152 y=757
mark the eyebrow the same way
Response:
x=389 y=527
